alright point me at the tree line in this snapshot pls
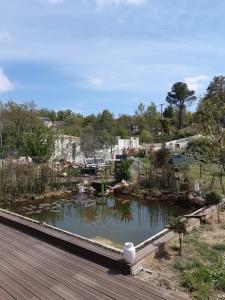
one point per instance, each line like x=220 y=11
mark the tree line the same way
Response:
x=22 y=130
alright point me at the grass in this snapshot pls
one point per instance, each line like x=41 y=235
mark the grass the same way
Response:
x=207 y=174
x=202 y=267
x=222 y=226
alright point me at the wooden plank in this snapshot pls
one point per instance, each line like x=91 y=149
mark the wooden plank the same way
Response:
x=15 y=289
x=137 y=285
x=56 y=273
x=71 y=267
x=73 y=274
x=60 y=274
x=66 y=293
x=4 y=295
x=30 y=283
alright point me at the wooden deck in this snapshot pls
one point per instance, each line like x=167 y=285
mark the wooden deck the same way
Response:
x=33 y=269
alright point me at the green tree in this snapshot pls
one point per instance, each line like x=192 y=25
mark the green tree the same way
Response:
x=210 y=111
x=180 y=96
x=169 y=112
x=121 y=132
x=152 y=119
x=140 y=110
x=211 y=119
x=16 y=119
x=145 y=137
x=202 y=149
x=39 y=144
x=179 y=226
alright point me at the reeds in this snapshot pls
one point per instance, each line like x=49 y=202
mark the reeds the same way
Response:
x=23 y=180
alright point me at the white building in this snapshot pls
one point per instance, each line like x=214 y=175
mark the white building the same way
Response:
x=68 y=147
x=47 y=122
x=175 y=144
x=131 y=143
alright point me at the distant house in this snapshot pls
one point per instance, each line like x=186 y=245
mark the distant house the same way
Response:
x=47 y=121
x=131 y=143
x=58 y=124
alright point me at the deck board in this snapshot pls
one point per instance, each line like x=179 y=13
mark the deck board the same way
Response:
x=33 y=269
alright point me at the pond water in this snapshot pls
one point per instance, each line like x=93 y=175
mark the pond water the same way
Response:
x=112 y=221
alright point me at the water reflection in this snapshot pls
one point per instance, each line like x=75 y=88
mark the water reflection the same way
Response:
x=111 y=220
x=122 y=210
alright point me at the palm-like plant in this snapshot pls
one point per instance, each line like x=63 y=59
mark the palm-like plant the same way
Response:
x=123 y=170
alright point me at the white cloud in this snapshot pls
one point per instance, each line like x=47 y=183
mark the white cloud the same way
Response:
x=101 y=3
x=55 y=1
x=5 y=36
x=95 y=82
x=5 y=84
x=196 y=82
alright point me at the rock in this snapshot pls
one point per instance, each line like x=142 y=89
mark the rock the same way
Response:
x=198 y=201
x=190 y=196
x=156 y=194
x=125 y=183
x=150 y=198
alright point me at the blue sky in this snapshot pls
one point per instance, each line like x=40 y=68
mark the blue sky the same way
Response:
x=89 y=55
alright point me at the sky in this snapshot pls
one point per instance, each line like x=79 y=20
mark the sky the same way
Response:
x=90 y=55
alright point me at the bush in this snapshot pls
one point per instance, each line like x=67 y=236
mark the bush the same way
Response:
x=178 y=225
x=123 y=170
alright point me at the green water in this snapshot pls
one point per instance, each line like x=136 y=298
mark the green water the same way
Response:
x=111 y=221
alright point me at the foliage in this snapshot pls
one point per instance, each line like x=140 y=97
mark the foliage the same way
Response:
x=89 y=142
x=162 y=157
x=15 y=120
x=202 y=268
x=21 y=180
x=123 y=170
x=145 y=137
x=213 y=198
x=179 y=226
x=210 y=112
x=39 y=144
x=180 y=96
x=202 y=149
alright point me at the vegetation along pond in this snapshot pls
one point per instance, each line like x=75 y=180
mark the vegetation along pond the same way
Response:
x=111 y=221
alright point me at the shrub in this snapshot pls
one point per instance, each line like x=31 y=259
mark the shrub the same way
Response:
x=178 y=225
x=123 y=170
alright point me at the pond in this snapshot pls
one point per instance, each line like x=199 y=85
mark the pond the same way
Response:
x=110 y=221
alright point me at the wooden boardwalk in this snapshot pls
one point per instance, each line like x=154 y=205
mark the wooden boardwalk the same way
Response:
x=33 y=269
